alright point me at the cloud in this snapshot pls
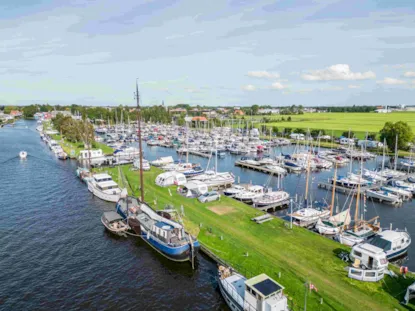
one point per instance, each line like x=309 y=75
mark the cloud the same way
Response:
x=249 y=87
x=337 y=72
x=351 y=86
x=263 y=74
x=391 y=81
x=278 y=86
x=409 y=74
x=192 y=90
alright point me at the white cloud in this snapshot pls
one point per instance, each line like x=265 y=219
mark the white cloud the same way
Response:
x=337 y=72
x=277 y=86
x=409 y=74
x=248 y=87
x=391 y=81
x=331 y=88
x=351 y=86
x=263 y=74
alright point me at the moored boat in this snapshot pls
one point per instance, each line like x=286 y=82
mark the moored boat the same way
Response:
x=114 y=223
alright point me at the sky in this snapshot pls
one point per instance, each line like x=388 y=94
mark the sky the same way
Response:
x=213 y=53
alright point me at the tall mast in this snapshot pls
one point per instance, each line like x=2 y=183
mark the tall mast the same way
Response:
x=356 y=213
x=396 y=152
x=137 y=96
x=307 y=180
x=334 y=190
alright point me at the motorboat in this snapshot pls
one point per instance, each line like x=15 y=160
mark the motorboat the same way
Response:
x=308 y=216
x=126 y=153
x=62 y=156
x=394 y=243
x=373 y=176
x=194 y=171
x=271 y=198
x=103 y=187
x=114 y=223
x=162 y=161
x=403 y=185
x=158 y=229
x=249 y=194
x=275 y=169
x=355 y=236
x=249 y=161
x=215 y=179
x=402 y=193
x=383 y=196
x=231 y=192
x=258 y=293
x=23 y=155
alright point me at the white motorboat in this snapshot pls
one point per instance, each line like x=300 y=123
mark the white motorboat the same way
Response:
x=270 y=198
x=402 y=193
x=266 y=161
x=215 y=179
x=393 y=242
x=23 y=155
x=353 y=237
x=258 y=293
x=103 y=187
x=248 y=195
x=383 y=196
x=403 y=185
x=231 y=192
x=275 y=169
x=162 y=161
x=249 y=161
x=127 y=153
x=373 y=176
x=308 y=216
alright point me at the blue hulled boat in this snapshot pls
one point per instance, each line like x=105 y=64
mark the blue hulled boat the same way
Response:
x=166 y=236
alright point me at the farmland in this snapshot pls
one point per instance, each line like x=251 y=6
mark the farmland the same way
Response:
x=359 y=123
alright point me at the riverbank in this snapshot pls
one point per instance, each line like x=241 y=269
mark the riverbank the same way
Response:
x=226 y=229
x=73 y=149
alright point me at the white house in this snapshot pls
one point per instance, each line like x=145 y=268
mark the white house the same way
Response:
x=297 y=136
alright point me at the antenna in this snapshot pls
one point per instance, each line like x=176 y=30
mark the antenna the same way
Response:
x=137 y=97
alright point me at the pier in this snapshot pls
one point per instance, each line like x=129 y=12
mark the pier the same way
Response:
x=273 y=207
x=257 y=167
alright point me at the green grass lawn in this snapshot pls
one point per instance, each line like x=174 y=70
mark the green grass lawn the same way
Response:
x=300 y=255
x=359 y=123
x=68 y=146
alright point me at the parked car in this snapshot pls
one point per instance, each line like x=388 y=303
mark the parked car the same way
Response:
x=209 y=197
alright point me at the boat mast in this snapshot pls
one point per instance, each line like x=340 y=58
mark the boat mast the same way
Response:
x=137 y=96
x=356 y=214
x=307 y=180
x=334 y=190
x=396 y=152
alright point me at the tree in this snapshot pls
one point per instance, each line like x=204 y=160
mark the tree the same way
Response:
x=29 y=111
x=401 y=129
x=275 y=130
x=254 y=109
x=300 y=131
x=346 y=134
x=372 y=136
x=289 y=119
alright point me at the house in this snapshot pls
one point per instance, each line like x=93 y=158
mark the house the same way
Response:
x=210 y=114
x=177 y=110
x=199 y=119
x=380 y=109
x=239 y=112
x=16 y=113
x=65 y=113
x=268 y=110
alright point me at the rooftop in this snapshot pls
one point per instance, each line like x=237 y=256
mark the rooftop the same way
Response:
x=264 y=285
x=163 y=225
x=107 y=183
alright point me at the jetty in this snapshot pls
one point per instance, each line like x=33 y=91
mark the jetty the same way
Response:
x=258 y=168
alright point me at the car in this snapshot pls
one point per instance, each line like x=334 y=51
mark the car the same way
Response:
x=209 y=197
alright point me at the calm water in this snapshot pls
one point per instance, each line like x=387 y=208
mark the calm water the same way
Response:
x=55 y=253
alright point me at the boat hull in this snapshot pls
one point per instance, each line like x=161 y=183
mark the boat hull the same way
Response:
x=230 y=301
x=104 y=196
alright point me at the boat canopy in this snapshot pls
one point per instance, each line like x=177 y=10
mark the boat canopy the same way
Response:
x=112 y=216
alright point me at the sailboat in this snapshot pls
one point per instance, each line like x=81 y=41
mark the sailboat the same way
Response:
x=215 y=178
x=309 y=214
x=157 y=229
x=336 y=222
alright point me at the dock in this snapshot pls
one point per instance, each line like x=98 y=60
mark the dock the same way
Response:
x=345 y=190
x=200 y=154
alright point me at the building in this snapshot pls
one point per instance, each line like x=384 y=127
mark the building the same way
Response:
x=239 y=112
x=177 y=110
x=268 y=111
x=65 y=113
x=380 y=109
x=16 y=113
x=199 y=119
x=210 y=114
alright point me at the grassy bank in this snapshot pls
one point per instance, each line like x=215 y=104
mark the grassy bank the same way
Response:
x=68 y=146
x=300 y=255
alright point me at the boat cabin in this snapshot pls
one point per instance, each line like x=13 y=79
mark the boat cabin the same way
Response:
x=263 y=293
x=166 y=232
x=393 y=243
x=102 y=177
x=90 y=154
x=108 y=185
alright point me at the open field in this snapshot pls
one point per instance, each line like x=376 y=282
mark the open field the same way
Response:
x=272 y=247
x=360 y=123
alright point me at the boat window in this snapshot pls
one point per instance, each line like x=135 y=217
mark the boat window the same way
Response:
x=358 y=254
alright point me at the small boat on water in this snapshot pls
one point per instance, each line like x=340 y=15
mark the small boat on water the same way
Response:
x=308 y=216
x=275 y=169
x=165 y=235
x=270 y=198
x=231 y=192
x=384 y=196
x=259 y=293
x=248 y=195
x=62 y=156
x=114 y=223
x=23 y=155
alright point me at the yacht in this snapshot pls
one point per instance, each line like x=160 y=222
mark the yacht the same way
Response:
x=275 y=169
x=258 y=293
x=353 y=237
x=308 y=216
x=114 y=223
x=157 y=229
x=215 y=179
x=248 y=195
x=270 y=198
x=393 y=242
x=231 y=192
x=334 y=223
x=146 y=164
x=127 y=153
x=23 y=155
x=384 y=196
x=103 y=187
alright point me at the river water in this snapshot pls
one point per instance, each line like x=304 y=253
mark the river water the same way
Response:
x=56 y=253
